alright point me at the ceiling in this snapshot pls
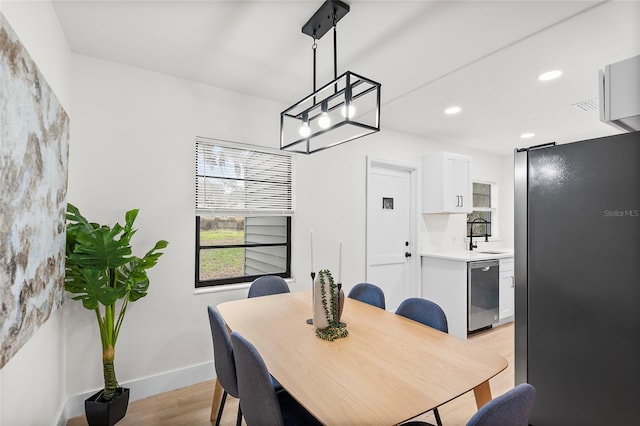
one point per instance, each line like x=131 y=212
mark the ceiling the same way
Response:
x=482 y=56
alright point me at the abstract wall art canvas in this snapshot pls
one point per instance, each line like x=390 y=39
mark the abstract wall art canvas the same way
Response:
x=34 y=135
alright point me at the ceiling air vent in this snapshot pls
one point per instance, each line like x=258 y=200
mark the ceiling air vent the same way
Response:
x=588 y=105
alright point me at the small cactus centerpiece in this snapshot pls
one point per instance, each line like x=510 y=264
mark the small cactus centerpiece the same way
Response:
x=328 y=302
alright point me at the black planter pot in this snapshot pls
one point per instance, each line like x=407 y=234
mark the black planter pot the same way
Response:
x=101 y=413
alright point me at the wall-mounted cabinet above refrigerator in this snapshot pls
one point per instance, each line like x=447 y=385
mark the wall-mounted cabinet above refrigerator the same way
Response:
x=620 y=94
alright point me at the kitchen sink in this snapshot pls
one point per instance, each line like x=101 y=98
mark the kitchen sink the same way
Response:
x=489 y=252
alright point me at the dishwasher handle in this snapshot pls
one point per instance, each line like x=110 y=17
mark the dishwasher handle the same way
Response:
x=484 y=265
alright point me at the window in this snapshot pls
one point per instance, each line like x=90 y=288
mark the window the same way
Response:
x=485 y=203
x=243 y=212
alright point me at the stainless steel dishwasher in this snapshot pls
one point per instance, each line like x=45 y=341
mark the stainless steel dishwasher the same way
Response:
x=483 y=294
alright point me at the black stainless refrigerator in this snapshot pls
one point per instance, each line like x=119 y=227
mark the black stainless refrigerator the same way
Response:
x=577 y=266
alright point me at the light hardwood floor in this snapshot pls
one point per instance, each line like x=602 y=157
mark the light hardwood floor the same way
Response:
x=192 y=405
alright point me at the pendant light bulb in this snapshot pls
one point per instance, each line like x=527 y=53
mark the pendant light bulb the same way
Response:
x=324 y=121
x=304 y=130
x=352 y=111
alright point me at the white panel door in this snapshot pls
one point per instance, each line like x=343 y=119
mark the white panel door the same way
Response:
x=391 y=255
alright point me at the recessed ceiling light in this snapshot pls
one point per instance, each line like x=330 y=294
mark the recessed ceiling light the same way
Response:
x=527 y=135
x=550 y=75
x=452 y=110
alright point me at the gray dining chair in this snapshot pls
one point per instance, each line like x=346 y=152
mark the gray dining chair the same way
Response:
x=368 y=293
x=425 y=312
x=428 y=313
x=266 y=285
x=224 y=362
x=260 y=404
x=512 y=408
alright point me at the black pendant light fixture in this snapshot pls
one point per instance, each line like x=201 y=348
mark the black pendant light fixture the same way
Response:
x=342 y=110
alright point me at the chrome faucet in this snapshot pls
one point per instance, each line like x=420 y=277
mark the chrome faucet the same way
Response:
x=486 y=234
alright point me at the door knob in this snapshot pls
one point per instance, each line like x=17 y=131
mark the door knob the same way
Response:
x=407 y=254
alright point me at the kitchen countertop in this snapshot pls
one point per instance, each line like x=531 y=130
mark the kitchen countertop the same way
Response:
x=470 y=256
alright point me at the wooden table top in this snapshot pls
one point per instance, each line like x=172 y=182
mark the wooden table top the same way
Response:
x=388 y=370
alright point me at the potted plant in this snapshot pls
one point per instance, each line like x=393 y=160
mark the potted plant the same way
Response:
x=102 y=273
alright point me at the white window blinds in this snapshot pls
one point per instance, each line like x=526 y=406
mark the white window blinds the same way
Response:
x=241 y=180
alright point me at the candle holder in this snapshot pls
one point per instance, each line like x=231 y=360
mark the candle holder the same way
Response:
x=313 y=279
x=340 y=301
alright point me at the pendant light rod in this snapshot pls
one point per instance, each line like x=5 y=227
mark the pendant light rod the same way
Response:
x=306 y=115
x=335 y=51
x=314 y=46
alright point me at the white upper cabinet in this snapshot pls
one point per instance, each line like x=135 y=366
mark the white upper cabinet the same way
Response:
x=446 y=183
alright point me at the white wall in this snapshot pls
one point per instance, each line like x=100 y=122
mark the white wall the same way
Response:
x=32 y=383
x=507 y=201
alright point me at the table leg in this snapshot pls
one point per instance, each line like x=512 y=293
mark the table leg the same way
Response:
x=217 y=397
x=482 y=393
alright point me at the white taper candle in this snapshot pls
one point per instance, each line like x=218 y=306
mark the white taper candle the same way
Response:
x=340 y=263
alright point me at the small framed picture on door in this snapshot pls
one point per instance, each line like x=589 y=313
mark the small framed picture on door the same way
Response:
x=387 y=203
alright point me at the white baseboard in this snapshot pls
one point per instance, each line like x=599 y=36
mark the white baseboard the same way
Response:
x=145 y=387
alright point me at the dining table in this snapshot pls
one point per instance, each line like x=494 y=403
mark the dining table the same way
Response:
x=389 y=369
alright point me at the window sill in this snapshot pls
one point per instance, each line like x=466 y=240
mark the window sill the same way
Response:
x=221 y=288
x=230 y=287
